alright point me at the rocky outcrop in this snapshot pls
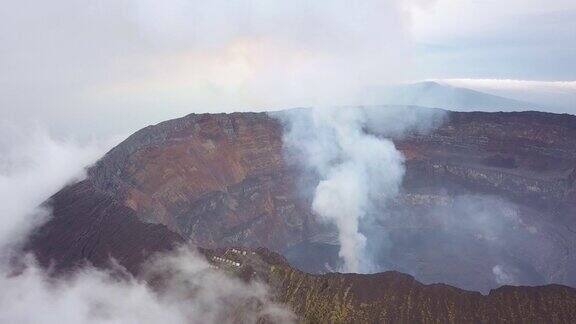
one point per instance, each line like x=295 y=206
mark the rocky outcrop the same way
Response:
x=393 y=297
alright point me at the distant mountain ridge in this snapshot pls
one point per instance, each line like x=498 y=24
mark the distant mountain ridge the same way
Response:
x=437 y=95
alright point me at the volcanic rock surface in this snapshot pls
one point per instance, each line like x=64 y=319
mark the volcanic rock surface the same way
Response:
x=225 y=180
x=90 y=227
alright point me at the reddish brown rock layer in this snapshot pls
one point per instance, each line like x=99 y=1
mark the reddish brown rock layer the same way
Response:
x=216 y=179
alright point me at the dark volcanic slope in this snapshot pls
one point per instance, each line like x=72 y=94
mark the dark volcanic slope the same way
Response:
x=90 y=226
x=393 y=297
x=222 y=180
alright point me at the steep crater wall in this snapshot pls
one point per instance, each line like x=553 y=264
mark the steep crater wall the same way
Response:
x=224 y=179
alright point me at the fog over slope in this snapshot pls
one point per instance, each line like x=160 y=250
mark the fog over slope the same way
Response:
x=33 y=166
x=438 y=95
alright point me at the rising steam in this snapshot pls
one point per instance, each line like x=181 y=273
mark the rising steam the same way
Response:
x=355 y=166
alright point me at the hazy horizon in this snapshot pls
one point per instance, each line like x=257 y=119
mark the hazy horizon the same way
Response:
x=75 y=68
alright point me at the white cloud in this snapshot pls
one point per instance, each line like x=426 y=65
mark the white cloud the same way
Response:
x=501 y=276
x=189 y=292
x=153 y=60
x=33 y=166
x=519 y=39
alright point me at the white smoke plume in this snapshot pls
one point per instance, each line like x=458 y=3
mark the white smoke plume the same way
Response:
x=355 y=166
x=33 y=166
x=501 y=276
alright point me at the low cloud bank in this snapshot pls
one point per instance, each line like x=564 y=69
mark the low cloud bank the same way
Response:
x=189 y=291
x=33 y=166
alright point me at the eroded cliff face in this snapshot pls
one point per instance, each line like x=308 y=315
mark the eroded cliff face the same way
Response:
x=215 y=179
x=526 y=159
x=527 y=156
x=224 y=179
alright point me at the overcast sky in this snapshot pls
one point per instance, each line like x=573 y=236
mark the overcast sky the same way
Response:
x=491 y=39
x=113 y=66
